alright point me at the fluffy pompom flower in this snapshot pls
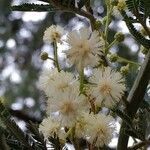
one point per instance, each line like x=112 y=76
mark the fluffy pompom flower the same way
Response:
x=49 y=127
x=46 y=77
x=53 y=34
x=69 y=106
x=109 y=87
x=84 y=48
x=98 y=129
x=53 y=83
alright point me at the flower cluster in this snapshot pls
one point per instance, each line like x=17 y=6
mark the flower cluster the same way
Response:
x=70 y=110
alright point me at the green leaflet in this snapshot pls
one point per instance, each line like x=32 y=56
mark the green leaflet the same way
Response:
x=139 y=7
x=33 y=128
x=13 y=127
x=138 y=36
x=33 y=7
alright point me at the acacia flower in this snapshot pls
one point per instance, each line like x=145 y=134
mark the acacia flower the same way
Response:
x=53 y=34
x=49 y=127
x=69 y=106
x=98 y=129
x=109 y=87
x=53 y=83
x=84 y=48
x=121 y=5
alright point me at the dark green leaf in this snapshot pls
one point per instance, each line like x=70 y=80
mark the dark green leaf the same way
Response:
x=12 y=126
x=33 y=7
x=33 y=128
x=138 y=36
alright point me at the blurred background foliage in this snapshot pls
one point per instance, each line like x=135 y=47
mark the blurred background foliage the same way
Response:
x=21 y=42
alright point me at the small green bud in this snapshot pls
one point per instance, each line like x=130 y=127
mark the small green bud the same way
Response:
x=143 y=32
x=119 y=37
x=114 y=2
x=124 y=70
x=121 y=5
x=98 y=24
x=107 y=2
x=113 y=57
x=44 y=56
x=144 y=50
x=104 y=20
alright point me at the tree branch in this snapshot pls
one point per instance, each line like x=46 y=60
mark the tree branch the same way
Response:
x=138 y=90
x=135 y=98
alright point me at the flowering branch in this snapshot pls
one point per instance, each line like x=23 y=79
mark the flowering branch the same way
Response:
x=75 y=112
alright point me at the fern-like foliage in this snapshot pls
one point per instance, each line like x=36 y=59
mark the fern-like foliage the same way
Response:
x=130 y=130
x=141 y=122
x=138 y=36
x=139 y=8
x=13 y=127
x=3 y=143
x=145 y=7
x=55 y=143
x=33 y=128
x=33 y=7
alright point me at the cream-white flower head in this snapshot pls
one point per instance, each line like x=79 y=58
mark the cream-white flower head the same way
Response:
x=53 y=34
x=49 y=127
x=53 y=83
x=98 y=129
x=84 y=47
x=46 y=76
x=69 y=105
x=109 y=86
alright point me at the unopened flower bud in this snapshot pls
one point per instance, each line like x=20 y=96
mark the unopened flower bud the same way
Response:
x=124 y=70
x=113 y=57
x=119 y=37
x=143 y=32
x=114 y=2
x=104 y=20
x=98 y=24
x=44 y=56
x=121 y=5
x=144 y=50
